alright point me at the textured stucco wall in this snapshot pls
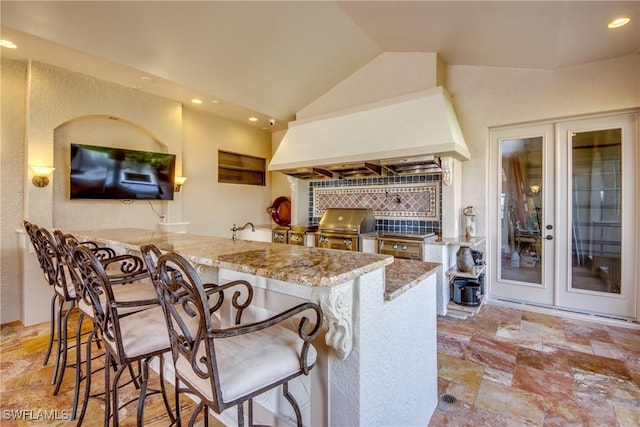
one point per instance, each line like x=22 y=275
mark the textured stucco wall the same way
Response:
x=45 y=108
x=486 y=97
x=209 y=207
x=400 y=369
x=390 y=378
x=280 y=185
x=57 y=97
x=13 y=95
x=388 y=75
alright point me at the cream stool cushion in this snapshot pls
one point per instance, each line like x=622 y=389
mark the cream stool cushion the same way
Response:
x=146 y=331
x=248 y=362
x=143 y=332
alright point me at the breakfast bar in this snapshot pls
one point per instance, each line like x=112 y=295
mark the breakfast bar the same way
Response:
x=377 y=360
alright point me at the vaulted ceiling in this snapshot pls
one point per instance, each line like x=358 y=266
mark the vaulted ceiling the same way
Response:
x=270 y=59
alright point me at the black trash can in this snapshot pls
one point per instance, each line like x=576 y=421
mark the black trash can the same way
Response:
x=457 y=289
x=471 y=294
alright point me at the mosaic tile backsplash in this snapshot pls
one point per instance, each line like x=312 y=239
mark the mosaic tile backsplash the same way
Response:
x=401 y=204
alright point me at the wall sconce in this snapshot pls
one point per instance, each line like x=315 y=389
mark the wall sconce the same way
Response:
x=42 y=174
x=535 y=189
x=178 y=182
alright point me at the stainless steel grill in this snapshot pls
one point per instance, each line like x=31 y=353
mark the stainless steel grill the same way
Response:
x=341 y=228
x=402 y=245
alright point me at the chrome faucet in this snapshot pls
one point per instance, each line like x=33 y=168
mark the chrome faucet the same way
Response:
x=234 y=229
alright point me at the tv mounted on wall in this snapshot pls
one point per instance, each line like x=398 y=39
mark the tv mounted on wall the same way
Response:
x=121 y=174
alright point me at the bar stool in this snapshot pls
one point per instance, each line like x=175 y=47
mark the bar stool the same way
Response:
x=63 y=293
x=131 y=284
x=226 y=367
x=129 y=338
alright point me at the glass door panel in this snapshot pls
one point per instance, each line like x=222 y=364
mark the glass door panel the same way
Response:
x=596 y=244
x=521 y=211
x=522 y=162
x=598 y=192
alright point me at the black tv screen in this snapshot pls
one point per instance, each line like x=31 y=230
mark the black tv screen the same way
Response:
x=116 y=173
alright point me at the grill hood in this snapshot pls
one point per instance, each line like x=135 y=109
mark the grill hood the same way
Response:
x=409 y=129
x=347 y=220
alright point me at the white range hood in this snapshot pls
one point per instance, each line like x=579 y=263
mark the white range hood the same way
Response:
x=417 y=124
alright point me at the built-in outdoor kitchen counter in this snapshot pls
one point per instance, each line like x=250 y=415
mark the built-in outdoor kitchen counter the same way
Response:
x=404 y=274
x=443 y=250
x=379 y=339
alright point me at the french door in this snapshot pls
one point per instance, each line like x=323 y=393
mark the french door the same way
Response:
x=564 y=215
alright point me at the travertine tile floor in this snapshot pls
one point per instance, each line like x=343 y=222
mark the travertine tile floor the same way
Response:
x=26 y=392
x=503 y=366
x=508 y=367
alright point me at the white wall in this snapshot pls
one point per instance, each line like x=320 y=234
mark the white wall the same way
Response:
x=45 y=108
x=13 y=96
x=279 y=182
x=388 y=75
x=485 y=97
x=57 y=97
x=296 y=190
x=212 y=208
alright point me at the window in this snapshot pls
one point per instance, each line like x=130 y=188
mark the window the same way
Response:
x=236 y=168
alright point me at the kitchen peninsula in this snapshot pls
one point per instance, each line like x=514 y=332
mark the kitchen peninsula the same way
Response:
x=377 y=365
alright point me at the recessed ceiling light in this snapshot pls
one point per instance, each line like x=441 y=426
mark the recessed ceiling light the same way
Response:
x=196 y=101
x=618 y=22
x=8 y=44
x=253 y=119
x=146 y=78
x=215 y=101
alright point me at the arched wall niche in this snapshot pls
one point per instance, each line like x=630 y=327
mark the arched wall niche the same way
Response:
x=161 y=146
x=105 y=131
x=60 y=105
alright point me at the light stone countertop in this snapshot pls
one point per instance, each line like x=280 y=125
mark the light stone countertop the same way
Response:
x=295 y=264
x=289 y=263
x=404 y=274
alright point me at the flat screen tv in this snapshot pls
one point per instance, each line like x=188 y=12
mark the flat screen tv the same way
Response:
x=116 y=173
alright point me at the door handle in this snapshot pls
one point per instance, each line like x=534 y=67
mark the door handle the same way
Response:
x=549 y=237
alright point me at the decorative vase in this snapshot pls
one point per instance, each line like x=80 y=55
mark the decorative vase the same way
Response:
x=465 y=259
x=470 y=221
